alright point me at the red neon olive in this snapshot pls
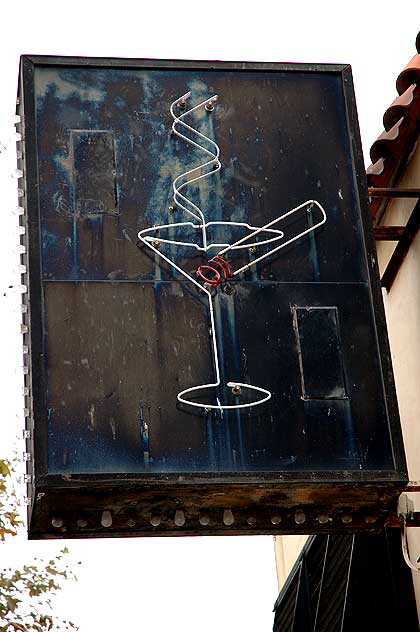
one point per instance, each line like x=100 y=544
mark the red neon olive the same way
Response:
x=220 y=270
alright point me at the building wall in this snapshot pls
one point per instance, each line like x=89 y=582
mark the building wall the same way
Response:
x=402 y=307
x=287 y=549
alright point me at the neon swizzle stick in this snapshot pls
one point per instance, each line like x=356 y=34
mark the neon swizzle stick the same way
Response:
x=218 y=267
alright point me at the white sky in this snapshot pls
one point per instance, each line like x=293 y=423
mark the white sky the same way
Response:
x=201 y=584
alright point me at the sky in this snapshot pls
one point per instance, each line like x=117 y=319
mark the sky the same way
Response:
x=177 y=584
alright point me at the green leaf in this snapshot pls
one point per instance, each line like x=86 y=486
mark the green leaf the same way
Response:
x=4 y=468
x=25 y=592
x=12 y=603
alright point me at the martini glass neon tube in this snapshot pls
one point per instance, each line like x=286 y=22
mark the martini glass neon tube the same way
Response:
x=151 y=238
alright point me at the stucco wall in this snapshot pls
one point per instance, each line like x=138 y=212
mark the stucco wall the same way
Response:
x=287 y=549
x=402 y=307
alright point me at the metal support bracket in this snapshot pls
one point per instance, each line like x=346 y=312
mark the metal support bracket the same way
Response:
x=403 y=235
x=406 y=515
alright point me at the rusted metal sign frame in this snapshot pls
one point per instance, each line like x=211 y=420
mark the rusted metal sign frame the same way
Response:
x=266 y=503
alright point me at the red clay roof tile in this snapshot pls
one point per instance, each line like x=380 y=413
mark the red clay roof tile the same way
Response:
x=402 y=127
x=389 y=142
x=377 y=168
x=402 y=106
x=410 y=75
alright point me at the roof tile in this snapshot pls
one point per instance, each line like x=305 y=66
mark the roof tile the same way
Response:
x=410 y=75
x=389 y=142
x=402 y=124
x=404 y=105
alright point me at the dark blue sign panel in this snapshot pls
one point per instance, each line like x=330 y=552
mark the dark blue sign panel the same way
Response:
x=205 y=308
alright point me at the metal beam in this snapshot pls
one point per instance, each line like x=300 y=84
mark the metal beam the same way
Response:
x=393 y=520
x=390 y=192
x=388 y=233
x=398 y=256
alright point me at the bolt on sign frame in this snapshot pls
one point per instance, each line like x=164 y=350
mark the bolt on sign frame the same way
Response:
x=204 y=330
